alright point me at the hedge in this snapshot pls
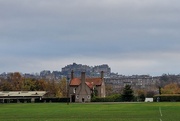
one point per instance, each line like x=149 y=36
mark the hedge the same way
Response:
x=167 y=97
x=113 y=98
x=37 y=100
x=53 y=100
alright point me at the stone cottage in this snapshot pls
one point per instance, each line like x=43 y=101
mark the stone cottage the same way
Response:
x=81 y=89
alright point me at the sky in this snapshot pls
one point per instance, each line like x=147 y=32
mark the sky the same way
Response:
x=131 y=36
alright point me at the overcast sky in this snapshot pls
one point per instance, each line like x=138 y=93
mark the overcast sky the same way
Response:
x=131 y=36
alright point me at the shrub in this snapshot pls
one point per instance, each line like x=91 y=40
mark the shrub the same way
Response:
x=112 y=98
x=53 y=100
x=168 y=97
x=127 y=94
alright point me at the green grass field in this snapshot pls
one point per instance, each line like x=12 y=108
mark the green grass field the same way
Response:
x=90 y=112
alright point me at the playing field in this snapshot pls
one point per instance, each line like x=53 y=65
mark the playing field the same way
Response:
x=90 y=112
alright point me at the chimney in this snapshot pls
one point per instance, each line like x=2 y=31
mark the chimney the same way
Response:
x=102 y=74
x=83 y=77
x=72 y=74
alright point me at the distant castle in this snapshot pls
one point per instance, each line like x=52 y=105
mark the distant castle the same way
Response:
x=90 y=71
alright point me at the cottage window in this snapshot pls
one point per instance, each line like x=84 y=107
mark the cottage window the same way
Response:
x=88 y=97
x=77 y=96
x=74 y=90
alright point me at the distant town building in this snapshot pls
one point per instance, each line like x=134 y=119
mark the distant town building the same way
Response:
x=136 y=81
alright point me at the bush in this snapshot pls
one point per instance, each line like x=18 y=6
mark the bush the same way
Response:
x=127 y=94
x=168 y=97
x=53 y=100
x=112 y=98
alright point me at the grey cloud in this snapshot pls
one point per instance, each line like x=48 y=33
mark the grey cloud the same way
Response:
x=104 y=28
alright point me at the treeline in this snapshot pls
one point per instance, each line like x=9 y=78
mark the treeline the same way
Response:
x=168 y=84
x=15 y=82
x=170 y=92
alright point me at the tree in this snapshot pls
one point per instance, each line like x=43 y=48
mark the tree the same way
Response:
x=29 y=85
x=150 y=93
x=16 y=81
x=140 y=95
x=159 y=90
x=53 y=88
x=94 y=92
x=127 y=94
x=41 y=85
x=5 y=86
x=171 y=88
x=63 y=88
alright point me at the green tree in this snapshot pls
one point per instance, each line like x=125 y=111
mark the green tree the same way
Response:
x=140 y=95
x=127 y=94
x=29 y=85
x=6 y=86
x=94 y=92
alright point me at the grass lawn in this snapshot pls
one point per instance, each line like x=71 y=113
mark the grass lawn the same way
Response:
x=90 y=112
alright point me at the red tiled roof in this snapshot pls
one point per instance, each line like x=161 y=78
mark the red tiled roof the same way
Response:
x=75 y=82
x=89 y=81
x=94 y=81
x=90 y=85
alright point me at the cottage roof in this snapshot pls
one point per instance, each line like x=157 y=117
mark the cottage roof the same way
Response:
x=75 y=82
x=94 y=81
x=89 y=81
